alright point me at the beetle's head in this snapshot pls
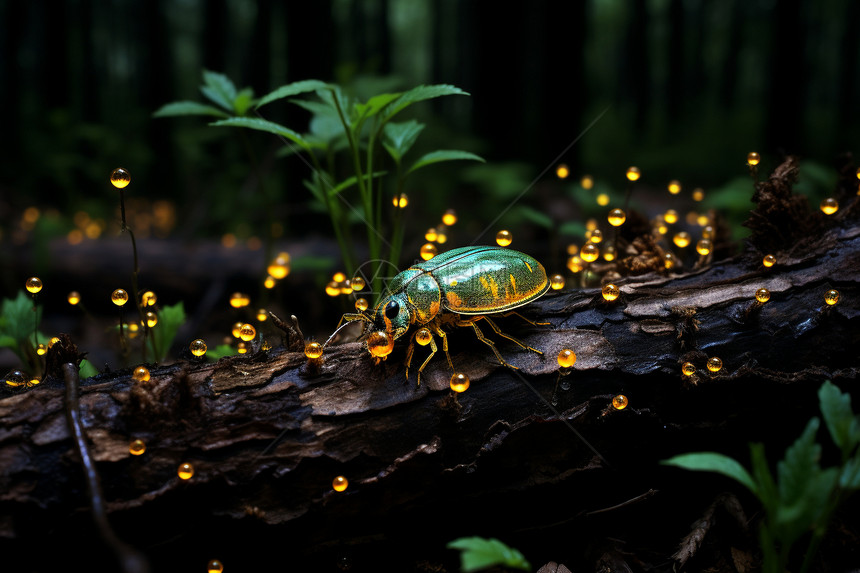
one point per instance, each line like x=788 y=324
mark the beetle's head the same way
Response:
x=388 y=322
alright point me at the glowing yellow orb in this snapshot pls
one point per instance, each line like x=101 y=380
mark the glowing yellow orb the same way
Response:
x=141 y=374
x=198 y=347
x=33 y=284
x=428 y=251
x=619 y=402
x=74 y=297
x=120 y=178
x=562 y=171
x=829 y=206
x=449 y=217
x=753 y=158
x=589 y=252
x=136 y=448
x=633 y=174
x=423 y=336
x=313 y=350
x=339 y=484
x=185 y=471
x=459 y=382
x=616 y=217
x=610 y=292
x=247 y=332
x=674 y=186
x=380 y=344
x=556 y=282
x=566 y=358
x=504 y=238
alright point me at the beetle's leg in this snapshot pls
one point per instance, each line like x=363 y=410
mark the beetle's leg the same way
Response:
x=444 y=338
x=473 y=323
x=508 y=336
x=433 y=349
x=515 y=313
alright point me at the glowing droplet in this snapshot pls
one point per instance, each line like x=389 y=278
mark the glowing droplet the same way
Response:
x=702 y=220
x=34 y=284
x=753 y=158
x=619 y=402
x=633 y=173
x=430 y=235
x=120 y=178
x=703 y=247
x=53 y=341
x=698 y=194
x=589 y=252
x=441 y=237
x=239 y=300
x=345 y=287
x=242 y=347
x=214 y=566
x=708 y=232
x=574 y=264
x=247 y=332
x=587 y=182
x=610 y=292
x=688 y=369
x=41 y=349
x=831 y=297
x=572 y=249
x=566 y=358
x=617 y=217
x=591 y=224
x=339 y=483
x=602 y=199
x=148 y=298
x=74 y=297
x=141 y=374
x=313 y=350
x=332 y=288
x=423 y=336
x=119 y=297
x=762 y=295
x=380 y=344
x=15 y=379
x=262 y=315
x=400 y=201
x=768 y=260
x=136 y=448
x=669 y=260
x=151 y=318
x=428 y=251
x=596 y=236
x=269 y=282
x=279 y=267
x=829 y=206
x=609 y=253
x=715 y=364
x=357 y=283
x=338 y=277
x=459 y=382
x=504 y=238
x=562 y=171
x=237 y=326
x=450 y=217
x=361 y=304
x=185 y=471
x=674 y=186
x=671 y=216
x=198 y=347
x=556 y=282
x=681 y=239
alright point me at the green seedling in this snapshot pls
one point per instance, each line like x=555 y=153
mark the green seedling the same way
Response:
x=803 y=496
x=477 y=553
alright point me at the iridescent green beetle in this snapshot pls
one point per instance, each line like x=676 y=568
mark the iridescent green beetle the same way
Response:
x=457 y=288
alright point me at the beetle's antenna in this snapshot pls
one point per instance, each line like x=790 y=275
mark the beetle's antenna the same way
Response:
x=362 y=317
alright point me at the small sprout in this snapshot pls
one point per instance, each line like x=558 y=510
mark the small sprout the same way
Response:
x=556 y=282
x=214 y=566
x=688 y=369
x=423 y=336
x=136 y=448
x=141 y=374
x=459 y=382
x=332 y=288
x=239 y=300
x=753 y=159
x=587 y=182
x=566 y=358
x=119 y=297
x=198 y=347
x=708 y=232
x=633 y=173
x=674 y=186
x=339 y=484
x=829 y=206
x=357 y=283
x=619 y=402
x=120 y=178
x=574 y=264
x=185 y=471
x=430 y=235
x=602 y=199
x=768 y=261
x=589 y=253
x=361 y=304
x=704 y=246
x=698 y=194
x=671 y=216
x=148 y=298
x=681 y=239
x=313 y=350
x=762 y=295
x=449 y=217
x=562 y=171
x=428 y=251
x=269 y=282
x=74 y=297
x=617 y=217
x=379 y=344
x=715 y=364
x=34 y=284
x=609 y=253
x=831 y=297
x=610 y=292
x=400 y=201
x=236 y=329
x=504 y=238
x=247 y=332
x=596 y=236
x=151 y=319
x=15 y=379
x=262 y=315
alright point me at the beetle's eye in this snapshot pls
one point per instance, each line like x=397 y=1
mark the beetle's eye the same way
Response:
x=392 y=309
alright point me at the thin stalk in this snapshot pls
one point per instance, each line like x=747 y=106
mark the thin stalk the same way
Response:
x=126 y=228
x=345 y=250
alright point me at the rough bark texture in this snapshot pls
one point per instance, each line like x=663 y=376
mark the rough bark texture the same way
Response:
x=266 y=433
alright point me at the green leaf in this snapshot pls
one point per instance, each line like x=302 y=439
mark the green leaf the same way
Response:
x=767 y=492
x=19 y=320
x=398 y=138
x=221 y=351
x=219 y=89
x=347 y=183
x=292 y=89
x=267 y=126
x=714 y=462
x=536 y=217
x=185 y=108
x=243 y=102
x=170 y=318
x=796 y=516
x=86 y=369
x=443 y=155
x=840 y=420
x=362 y=111
x=800 y=464
x=420 y=93
x=479 y=553
x=849 y=479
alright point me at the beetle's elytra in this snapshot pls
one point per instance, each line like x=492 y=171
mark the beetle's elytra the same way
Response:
x=457 y=288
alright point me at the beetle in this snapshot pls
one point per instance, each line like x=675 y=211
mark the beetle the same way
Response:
x=457 y=288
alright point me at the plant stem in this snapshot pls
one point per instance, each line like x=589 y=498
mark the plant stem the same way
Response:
x=345 y=251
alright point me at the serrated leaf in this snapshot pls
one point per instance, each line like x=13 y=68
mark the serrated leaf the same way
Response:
x=420 y=93
x=800 y=464
x=479 y=553
x=443 y=155
x=243 y=102
x=19 y=318
x=86 y=369
x=219 y=89
x=398 y=138
x=363 y=111
x=186 y=108
x=293 y=89
x=838 y=416
x=267 y=126
x=796 y=516
x=714 y=462
x=536 y=217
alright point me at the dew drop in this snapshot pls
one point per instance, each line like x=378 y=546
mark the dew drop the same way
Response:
x=357 y=283
x=610 y=292
x=831 y=297
x=339 y=483
x=688 y=369
x=136 y=448
x=556 y=282
x=617 y=217
x=762 y=295
x=829 y=206
x=423 y=336
x=247 y=332
x=450 y=217
x=562 y=171
x=715 y=364
x=198 y=347
x=33 y=284
x=185 y=471
x=313 y=350
x=361 y=304
x=566 y=358
x=74 y=297
x=380 y=344
x=504 y=238
x=119 y=297
x=589 y=252
x=120 y=178
x=633 y=173
x=619 y=402
x=459 y=382
x=141 y=374
x=428 y=251
x=753 y=158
